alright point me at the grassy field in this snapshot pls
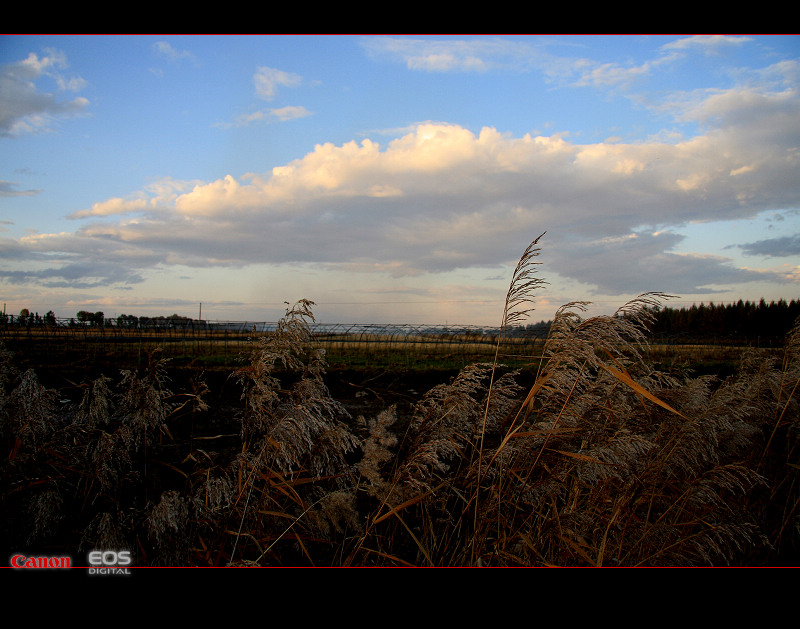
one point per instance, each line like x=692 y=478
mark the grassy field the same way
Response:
x=110 y=347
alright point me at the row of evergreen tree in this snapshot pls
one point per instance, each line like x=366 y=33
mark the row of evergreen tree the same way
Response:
x=740 y=322
x=744 y=320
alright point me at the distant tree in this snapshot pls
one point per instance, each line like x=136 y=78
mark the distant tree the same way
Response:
x=127 y=321
x=92 y=318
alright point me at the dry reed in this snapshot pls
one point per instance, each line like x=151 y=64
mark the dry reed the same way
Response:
x=592 y=456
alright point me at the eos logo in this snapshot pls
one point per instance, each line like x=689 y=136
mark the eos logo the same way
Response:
x=109 y=562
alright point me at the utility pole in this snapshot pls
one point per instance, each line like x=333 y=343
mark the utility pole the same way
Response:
x=200 y=316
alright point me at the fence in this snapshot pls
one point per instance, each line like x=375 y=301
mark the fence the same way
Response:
x=225 y=341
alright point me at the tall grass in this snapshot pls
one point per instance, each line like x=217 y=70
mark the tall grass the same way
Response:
x=591 y=456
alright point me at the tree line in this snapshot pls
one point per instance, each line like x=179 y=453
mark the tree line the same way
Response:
x=87 y=318
x=741 y=321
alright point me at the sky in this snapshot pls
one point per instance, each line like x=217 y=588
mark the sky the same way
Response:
x=395 y=178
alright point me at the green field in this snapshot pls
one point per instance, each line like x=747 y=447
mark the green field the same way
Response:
x=110 y=346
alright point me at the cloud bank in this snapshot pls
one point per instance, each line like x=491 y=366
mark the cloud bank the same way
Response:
x=442 y=198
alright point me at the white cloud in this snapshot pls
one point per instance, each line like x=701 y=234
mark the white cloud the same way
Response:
x=290 y=112
x=9 y=189
x=437 y=55
x=158 y=194
x=167 y=51
x=268 y=80
x=24 y=107
x=610 y=74
x=709 y=44
x=281 y=114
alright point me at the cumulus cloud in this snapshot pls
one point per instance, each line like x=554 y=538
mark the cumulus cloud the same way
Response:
x=24 y=106
x=443 y=198
x=155 y=195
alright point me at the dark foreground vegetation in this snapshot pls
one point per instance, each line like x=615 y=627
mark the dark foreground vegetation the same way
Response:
x=595 y=455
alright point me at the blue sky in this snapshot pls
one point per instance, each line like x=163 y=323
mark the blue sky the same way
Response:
x=394 y=178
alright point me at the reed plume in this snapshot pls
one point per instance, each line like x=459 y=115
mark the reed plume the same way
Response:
x=295 y=440
x=603 y=460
